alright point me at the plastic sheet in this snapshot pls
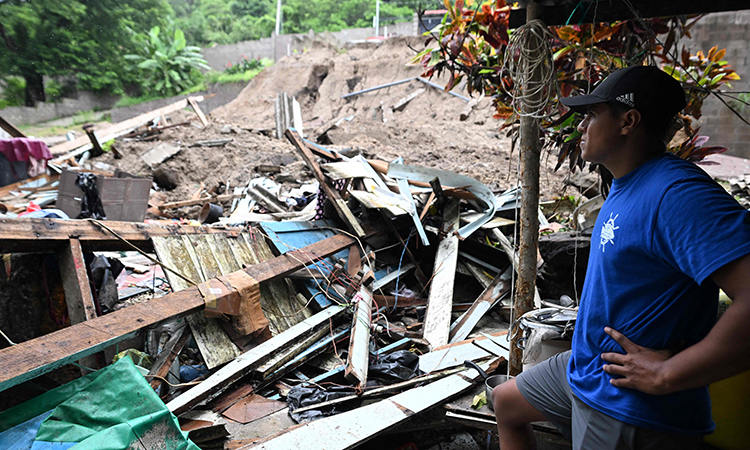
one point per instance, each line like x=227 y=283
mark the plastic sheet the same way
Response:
x=395 y=367
x=299 y=397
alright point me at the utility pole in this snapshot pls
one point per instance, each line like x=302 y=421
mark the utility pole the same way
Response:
x=376 y=19
x=529 y=236
x=278 y=17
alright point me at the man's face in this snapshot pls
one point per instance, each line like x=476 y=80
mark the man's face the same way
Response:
x=601 y=130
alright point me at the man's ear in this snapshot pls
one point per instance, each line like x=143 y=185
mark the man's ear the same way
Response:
x=630 y=121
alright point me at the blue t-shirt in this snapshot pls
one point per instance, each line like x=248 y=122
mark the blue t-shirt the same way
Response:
x=663 y=230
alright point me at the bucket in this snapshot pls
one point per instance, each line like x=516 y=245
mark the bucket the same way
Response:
x=210 y=213
x=546 y=332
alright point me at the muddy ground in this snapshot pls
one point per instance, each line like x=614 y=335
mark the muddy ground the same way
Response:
x=426 y=132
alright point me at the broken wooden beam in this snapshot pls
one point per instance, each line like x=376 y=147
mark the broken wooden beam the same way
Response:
x=30 y=359
x=311 y=352
x=438 y=316
x=349 y=429
x=44 y=235
x=248 y=361
x=11 y=129
x=78 y=297
x=118 y=129
x=486 y=301
x=200 y=201
x=166 y=358
x=197 y=109
x=359 y=344
x=401 y=104
x=333 y=195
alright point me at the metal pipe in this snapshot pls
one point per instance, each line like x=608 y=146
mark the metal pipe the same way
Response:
x=438 y=87
x=382 y=86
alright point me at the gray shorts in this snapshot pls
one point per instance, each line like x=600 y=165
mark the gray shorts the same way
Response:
x=546 y=387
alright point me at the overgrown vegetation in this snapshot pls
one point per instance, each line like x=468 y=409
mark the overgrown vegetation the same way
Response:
x=209 y=22
x=83 y=39
x=169 y=65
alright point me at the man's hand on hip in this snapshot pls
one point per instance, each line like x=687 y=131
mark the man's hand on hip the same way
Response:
x=640 y=368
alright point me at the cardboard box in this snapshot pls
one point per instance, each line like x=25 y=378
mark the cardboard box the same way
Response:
x=124 y=197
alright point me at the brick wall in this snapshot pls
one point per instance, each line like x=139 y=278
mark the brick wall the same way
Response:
x=730 y=30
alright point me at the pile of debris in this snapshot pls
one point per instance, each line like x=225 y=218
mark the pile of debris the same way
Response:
x=327 y=282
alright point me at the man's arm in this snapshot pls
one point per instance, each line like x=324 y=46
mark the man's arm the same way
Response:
x=724 y=352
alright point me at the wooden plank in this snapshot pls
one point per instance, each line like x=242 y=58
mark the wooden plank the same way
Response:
x=198 y=111
x=401 y=104
x=385 y=280
x=166 y=357
x=281 y=358
x=121 y=127
x=438 y=316
x=248 y=361
x=312 y=351
x=333 y=195
x=358 y=358
x=76 y=283
x=11 y=129
x=43 y=235
x=352 y=428
x=213 y=342
x=478 y=273
x=486 y=301
x=398 y=345
x=445 y=358
x=513 y=257
x=30 y=359
x=78 y=298
x=200 y=201
x=36 y=357
x=278 y=297
x=354 y=261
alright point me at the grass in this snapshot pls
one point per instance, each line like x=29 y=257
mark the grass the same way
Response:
x=210 y=77
x=42 y=130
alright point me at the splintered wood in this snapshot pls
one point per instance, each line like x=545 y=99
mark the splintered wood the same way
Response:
x=438 y=316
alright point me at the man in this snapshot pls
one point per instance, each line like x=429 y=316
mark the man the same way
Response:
x=647 y=342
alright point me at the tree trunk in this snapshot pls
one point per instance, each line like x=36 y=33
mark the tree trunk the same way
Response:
x=34 y=88
x=529 y=237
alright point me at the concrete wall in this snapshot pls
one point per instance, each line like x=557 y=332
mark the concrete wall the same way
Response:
x=223 y=93
x=42 y=112
x=278 y=46
x=730 y=30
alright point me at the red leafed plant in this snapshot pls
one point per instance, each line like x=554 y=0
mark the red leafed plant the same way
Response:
x=471 y=41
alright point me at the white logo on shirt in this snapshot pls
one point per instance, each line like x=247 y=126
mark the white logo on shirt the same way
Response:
x=607 y=234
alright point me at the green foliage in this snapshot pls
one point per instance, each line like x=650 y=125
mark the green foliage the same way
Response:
x=84 y=38
x=169 y=65
x=244 y=65
x=209 y=22
x=13 y=92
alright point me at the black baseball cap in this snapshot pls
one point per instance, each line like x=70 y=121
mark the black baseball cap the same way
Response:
x=648 y=89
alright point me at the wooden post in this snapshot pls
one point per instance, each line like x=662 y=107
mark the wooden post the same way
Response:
x=11 y=129
x=359 y=343
x=78 y=297
x=437 y=319
x=202 y=117
x=529 y=235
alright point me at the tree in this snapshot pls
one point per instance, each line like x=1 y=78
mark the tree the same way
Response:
x=85 y=38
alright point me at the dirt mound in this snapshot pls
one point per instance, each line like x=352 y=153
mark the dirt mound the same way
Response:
x=427 y=131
